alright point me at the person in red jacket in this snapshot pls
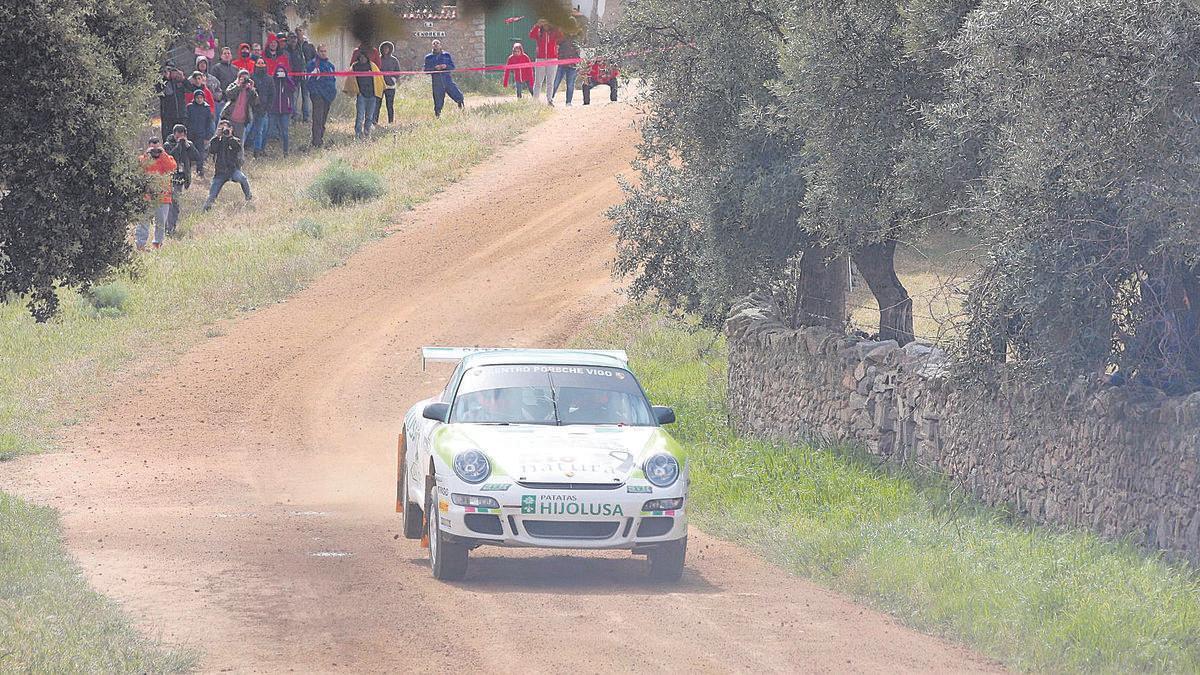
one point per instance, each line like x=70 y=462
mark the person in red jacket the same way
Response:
x=275 y=55
x=200 y=83
x=547 y=37
x=245 y=59
x=521 y=77
x=601 y=73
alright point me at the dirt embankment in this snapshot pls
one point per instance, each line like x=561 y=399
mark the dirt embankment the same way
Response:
x=241 y=499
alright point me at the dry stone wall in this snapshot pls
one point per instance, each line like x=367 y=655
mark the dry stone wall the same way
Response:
x=1123 y=461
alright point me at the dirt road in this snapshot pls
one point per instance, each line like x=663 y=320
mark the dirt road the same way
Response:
x=241 y=500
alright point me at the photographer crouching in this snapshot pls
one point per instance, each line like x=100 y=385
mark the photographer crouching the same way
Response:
x=228 y=154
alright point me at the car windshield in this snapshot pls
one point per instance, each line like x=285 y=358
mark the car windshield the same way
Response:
x=550 y=395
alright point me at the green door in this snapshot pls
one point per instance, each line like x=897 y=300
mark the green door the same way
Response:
x=500 y=35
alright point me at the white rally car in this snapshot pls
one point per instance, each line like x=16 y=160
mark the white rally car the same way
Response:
x=542 y=448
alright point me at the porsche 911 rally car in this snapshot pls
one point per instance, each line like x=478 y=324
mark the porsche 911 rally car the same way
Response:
x=542 y=448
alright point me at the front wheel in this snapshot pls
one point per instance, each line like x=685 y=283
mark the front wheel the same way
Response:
x=447 y=559
x=666 y=560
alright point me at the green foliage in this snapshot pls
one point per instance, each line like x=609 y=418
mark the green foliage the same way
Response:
x=718 y=216
x=1037 y=599
x=68 y=183
x=483 y=84
x=339 y=184
x=1085 y=121
x=110 y=296
x=309 y=227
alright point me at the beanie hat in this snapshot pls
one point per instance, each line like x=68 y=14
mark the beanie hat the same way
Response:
x=178 y=128
x=199 y=94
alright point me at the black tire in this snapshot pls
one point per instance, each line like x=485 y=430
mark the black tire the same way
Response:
x=447 y=559
x=414 y=520
x=666 y=561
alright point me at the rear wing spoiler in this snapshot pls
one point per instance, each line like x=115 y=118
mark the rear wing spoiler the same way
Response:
x=456 y=354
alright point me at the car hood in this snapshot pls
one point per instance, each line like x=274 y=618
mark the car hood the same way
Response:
x=572 y=454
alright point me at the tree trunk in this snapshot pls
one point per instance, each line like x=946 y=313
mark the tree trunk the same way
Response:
x=821 y=296
x=877 y=264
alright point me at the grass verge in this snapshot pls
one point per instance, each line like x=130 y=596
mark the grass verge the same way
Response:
x=909 y=544
x=235 y=258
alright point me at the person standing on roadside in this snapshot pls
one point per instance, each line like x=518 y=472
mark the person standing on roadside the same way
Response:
x=388 y=63
x=214 y=85
x=521 y=77
x=306 y=52
x=228 y=155
x=441 y=64
x=276 y=52
x=262 y=107
x=568 y=50
x=322 y=89
x=245 y=60
x=201 y=126
x=172 y=98
x=198 y=83
x=281 y=109
x=546 y=36
x=366 y=88
x=226 y=74
x=187 y=158
x=159 y=166
x=242 y=97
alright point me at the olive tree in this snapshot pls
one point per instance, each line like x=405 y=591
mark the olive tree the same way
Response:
x=68 y=181
x=1084 y=117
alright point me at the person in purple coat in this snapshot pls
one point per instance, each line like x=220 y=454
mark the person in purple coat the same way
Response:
x=281 y=108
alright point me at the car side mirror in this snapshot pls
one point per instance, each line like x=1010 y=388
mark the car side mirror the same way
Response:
x=663 y=414
x=438 y=412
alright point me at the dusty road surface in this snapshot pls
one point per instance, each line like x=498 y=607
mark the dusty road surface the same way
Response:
x=241 y=500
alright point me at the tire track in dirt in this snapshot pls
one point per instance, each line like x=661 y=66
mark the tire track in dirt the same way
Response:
x=240 y=500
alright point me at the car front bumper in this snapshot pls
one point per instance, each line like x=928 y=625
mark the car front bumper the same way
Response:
x=562 y=518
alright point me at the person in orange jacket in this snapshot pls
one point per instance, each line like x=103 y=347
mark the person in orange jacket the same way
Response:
x=160 y=166
x=521 y=77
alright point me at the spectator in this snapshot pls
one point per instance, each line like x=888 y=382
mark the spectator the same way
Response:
x=245 y=60
x=568 y=50
x=172 y=98
x=197 y=82
x=206 y=43
x=281 y=108
x=388 y=63
x=372 y=54
x=322 y=91
x=262 y=107
x=187 y=158
x=521 y=77
x=201 y=126
x=276 y=52
x=601 y=73
x=226 y=74
x=546 y=37
x=441 y=64
x=367 y=89
x=242 y=97
x=210 y=81
x=256 y=51
x=159 y=166
x=228 y=154
x=307 y=52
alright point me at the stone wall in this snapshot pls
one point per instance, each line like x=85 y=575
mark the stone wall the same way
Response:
x=1123 y=461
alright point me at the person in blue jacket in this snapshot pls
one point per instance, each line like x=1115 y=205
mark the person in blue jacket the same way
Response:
x=441 y=64
x=322 y=89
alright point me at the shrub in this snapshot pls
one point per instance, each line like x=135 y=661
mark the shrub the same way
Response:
x=310 y=228
x=483 y=84
x=341 y=184
x=111 y=297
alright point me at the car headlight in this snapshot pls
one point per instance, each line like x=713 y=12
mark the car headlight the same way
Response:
x=661 y=470
x=472 y=466
x=673 y=504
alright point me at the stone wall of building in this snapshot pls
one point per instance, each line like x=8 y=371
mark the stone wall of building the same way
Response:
x=1122 y=461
